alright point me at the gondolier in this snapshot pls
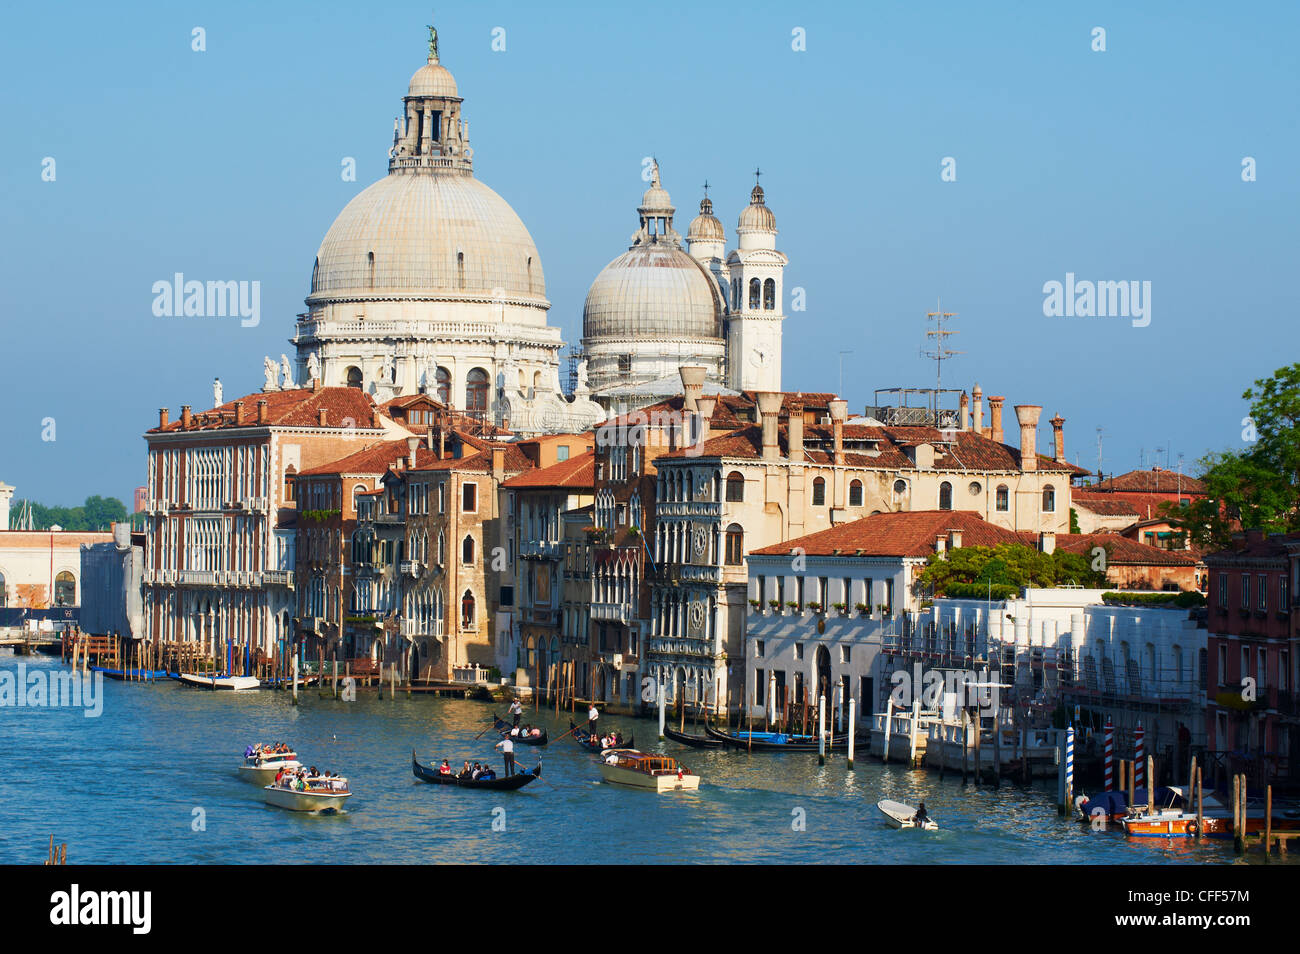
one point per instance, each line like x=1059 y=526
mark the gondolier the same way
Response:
x=516 y=712
x=508 y=750
x=592 y=715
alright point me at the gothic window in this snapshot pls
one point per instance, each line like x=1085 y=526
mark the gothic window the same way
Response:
x=444 y=386
x=855 y=494
x=476 y=392
x=735 y=487
x=735 y=545
x=467 y=610
x=1049 y=499
x=754 y=287
x=467 y=551
x=945 y=496
x=1002 y=500
x=819 y=492
x=769 y=295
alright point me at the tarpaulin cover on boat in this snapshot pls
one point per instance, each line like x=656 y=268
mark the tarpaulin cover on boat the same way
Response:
x=1116 y=803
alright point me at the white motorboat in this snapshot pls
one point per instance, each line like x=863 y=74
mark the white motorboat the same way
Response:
x=261 y=767
x=899 y=815
x=235 y=683
x=320 y=795
x=657 y=773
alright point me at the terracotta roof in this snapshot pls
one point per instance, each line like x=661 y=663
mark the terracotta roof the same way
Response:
x=298 y=407
x=478 y=463
x=1121 y=551
x=907 y=534
x=576 y=473
x=1157 y=480
x=1252 y=546
x=374 y=459
x=1105 y=505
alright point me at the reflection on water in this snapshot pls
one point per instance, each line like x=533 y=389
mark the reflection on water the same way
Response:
x=132 y=785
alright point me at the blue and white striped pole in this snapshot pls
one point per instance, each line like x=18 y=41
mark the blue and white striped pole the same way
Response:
x=1069 y=768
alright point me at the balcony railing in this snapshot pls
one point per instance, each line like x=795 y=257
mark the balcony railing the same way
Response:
x=411 y=568
x=278 y=578
x=541 y=550
x=611 y=612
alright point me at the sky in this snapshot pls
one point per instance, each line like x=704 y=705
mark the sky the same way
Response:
x=1122 y=164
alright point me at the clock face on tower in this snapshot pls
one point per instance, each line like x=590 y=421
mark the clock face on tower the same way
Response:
x=760 y=357
x=701 y=541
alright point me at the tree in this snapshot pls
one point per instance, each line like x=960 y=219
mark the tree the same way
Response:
x=1008 y=564
x=97 y=513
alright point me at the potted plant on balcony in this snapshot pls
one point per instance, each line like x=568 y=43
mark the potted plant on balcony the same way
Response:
x=815 y=606
x=862 y=608
x=884 y=610
x=756 y=603
x=775 y=604
x=792 y=604
x=841 y=608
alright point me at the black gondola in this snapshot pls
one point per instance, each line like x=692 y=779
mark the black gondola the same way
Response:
x=504 y=727
x=775 y=741
x=500 y=783
x=583 y=738
x=694 y=741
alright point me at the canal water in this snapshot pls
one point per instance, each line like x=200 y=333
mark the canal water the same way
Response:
x=152 y=780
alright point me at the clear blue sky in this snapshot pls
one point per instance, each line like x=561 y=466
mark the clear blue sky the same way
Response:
x=1122 y=165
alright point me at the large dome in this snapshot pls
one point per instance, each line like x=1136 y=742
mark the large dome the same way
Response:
x=653 y=291
x=430 y=236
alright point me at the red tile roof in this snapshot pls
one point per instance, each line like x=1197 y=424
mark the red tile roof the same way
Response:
x=1104 y=505
x=298 y=407
x=908 y=534
x=576 y=473
x=374 y=459
x=1121 y=551
x=1157 y=480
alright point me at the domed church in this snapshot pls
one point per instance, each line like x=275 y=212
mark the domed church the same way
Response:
x=428 y=281
x=660 y=305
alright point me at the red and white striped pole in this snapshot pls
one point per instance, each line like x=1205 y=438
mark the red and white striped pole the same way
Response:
x=1140 y=758
x=1110 y=755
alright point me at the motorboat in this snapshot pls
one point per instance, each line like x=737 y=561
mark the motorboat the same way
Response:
x=261 y=766
x=235 y=683
x=899 y=815
x=657 y=773
x=318 y=794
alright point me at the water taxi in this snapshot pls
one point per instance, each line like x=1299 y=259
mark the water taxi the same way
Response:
x=235 y=683
x=898 y=815
x=319 y=795
x=658 y=773
x=261 y=766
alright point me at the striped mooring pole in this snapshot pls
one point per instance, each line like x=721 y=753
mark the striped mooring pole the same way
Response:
x=1069 y=767
x=1140 y=758
x=1110 y=755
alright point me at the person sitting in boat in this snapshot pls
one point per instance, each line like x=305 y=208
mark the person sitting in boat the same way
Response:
x=486 y=775
x=444 y=768
x=535 y=732
x=616 y=739
x=921 y=816
x=515 y=730
x=612 y=758
x=478 y=770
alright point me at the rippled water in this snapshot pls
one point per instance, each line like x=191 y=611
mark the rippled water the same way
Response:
x=124 y=787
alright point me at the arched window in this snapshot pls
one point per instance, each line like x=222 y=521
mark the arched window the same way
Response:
x=467 y=551
x=65 y=589
x=1049 y=499
x=769 y=294
x=735 y=554
x=442 y=548
x=735 y=487
x=370 y=268
x=467 y=610
x=900 y=487
x=1002 y=500
x=819 y=492
x=855 y=494
x=444 y=386
x=945 y=496
x=755 y=287
x=460 y=270
x=476 y=391
x=289 y=475
x=357 y=491
x=354 y=377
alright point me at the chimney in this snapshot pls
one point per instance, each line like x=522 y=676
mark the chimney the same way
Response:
x=769 y=406
x=239 y=413
x=692 y=385
x=940 y=544
x=704 y=412
x=1058 y=438
x=187 y=417
x=839 y=411
x=977 y=399
x=1047 y=541
x=795 y=422
x=1027 y=415
x=163 y=415
x=411 y=444
x=995 y=417
x=498 y=462
x=321 y=414
x=262 y=415
x=965 y=412
x=955 y=534
x=428 y=436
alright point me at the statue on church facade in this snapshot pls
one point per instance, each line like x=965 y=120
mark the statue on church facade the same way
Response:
x=270 y=370
x=313 y=367
x=286 y=372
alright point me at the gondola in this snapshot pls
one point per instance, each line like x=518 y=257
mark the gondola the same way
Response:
x=694 y=741
x=500 y=783
x=583 y=738
x=775 y=741
x=504 y=727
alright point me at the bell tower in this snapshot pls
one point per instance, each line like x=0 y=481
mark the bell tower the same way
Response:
x=431 y=134
x=756 y=271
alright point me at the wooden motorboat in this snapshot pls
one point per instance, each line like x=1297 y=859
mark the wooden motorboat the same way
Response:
x=898 y=815
x=1177 y=819
x=584 y=739
x=775 y=741
x=235 y=683
x=694 y=741
x=657 y=773
x=320 y=795
x=430 y=773
x=261 y=767
x=504 y=727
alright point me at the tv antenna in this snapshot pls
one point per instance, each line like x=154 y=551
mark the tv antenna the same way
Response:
x=941 y=350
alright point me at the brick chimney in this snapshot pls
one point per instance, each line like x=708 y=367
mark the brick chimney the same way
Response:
x=412 y=443
x=262 y=414
x=839 y=411
x=769 y=407
x=977 y=399
x=704 y=412
x=795 y=432
x=187 y=416
x=965 y=412
x=239 y=413
x=498 y=462
x=1058 y=438
x=955 y=535
x=163 y=416
x=940 y=544
x=1027 y=416
x=995 y=417
x=428 y=436
x=692 y=385
x=321 y=415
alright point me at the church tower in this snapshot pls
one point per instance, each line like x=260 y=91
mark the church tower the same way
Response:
x=756 y=270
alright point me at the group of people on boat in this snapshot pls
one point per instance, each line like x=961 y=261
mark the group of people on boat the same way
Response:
x=610 y=740
x=310 y=780
x=260 y=751
x=528 y=731
x=475 y=773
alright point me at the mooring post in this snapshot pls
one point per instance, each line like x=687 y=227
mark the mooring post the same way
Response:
x=853 y=726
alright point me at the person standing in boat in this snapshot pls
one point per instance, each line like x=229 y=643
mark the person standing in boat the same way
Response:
x=592 y=715
x=507 y=748
x=516 y=712
x=921 y=816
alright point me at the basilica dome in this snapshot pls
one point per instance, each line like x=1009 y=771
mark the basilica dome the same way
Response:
x=427 y=236
x=653 y=291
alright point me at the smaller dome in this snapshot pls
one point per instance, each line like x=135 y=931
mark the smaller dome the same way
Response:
x=756 y=215
x=433 y=79
x=705 y=227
